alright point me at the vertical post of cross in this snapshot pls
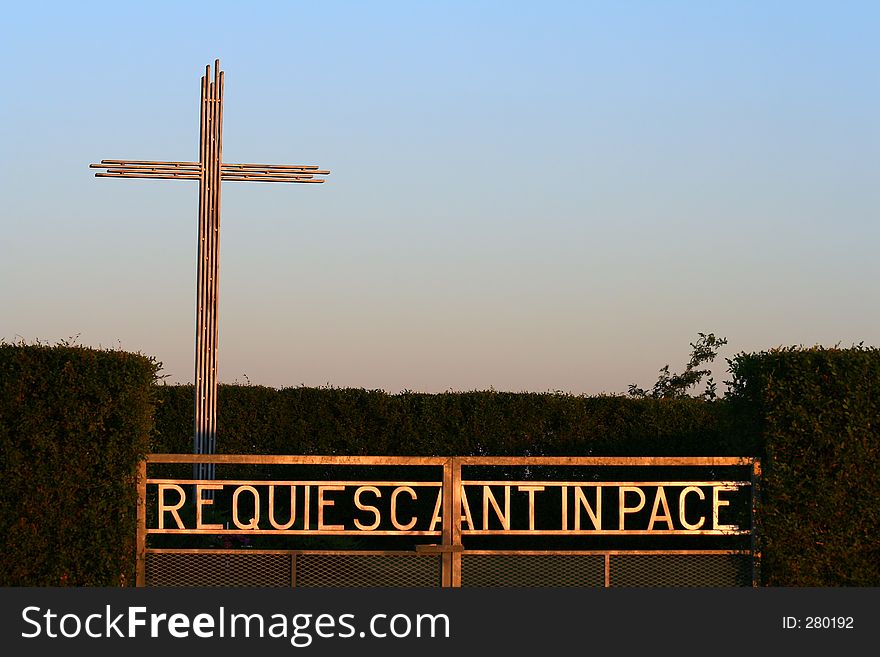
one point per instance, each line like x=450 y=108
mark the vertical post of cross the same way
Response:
x=208 y=270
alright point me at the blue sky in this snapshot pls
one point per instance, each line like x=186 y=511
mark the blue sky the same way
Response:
x=525 y=196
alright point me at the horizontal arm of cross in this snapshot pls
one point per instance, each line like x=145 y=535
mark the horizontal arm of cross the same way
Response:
x=147 y=169
x=290 y=173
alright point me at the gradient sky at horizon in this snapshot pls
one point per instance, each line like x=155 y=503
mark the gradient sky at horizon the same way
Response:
x=524 y=196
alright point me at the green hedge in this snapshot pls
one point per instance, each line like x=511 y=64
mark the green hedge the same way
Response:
x=74 y=422
x=259 y=420
x=817 y=414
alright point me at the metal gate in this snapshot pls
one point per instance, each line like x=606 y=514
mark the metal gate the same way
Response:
x=448 y=521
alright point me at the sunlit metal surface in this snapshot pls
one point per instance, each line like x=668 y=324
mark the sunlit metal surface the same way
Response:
x=209 y=171
x=443 y=553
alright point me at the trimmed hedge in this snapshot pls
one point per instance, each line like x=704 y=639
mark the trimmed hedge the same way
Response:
x=259 y=420
x=817 y=414
x=810 y=414
x=74 y=422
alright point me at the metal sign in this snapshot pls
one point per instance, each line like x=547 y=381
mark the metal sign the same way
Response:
x=452 y=508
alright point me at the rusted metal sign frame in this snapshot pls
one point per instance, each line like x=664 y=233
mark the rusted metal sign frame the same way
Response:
x=579 y=461
x=451 y=549
x=446 y=534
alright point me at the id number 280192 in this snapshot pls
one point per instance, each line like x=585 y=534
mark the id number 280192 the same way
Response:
x=818 y=623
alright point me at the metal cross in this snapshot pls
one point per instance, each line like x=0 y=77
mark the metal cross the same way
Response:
x=209 y=171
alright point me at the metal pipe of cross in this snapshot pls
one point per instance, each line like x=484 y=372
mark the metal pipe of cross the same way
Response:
x=210 y=171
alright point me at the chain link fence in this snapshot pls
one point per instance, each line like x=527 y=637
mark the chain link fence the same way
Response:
x=402 y=569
